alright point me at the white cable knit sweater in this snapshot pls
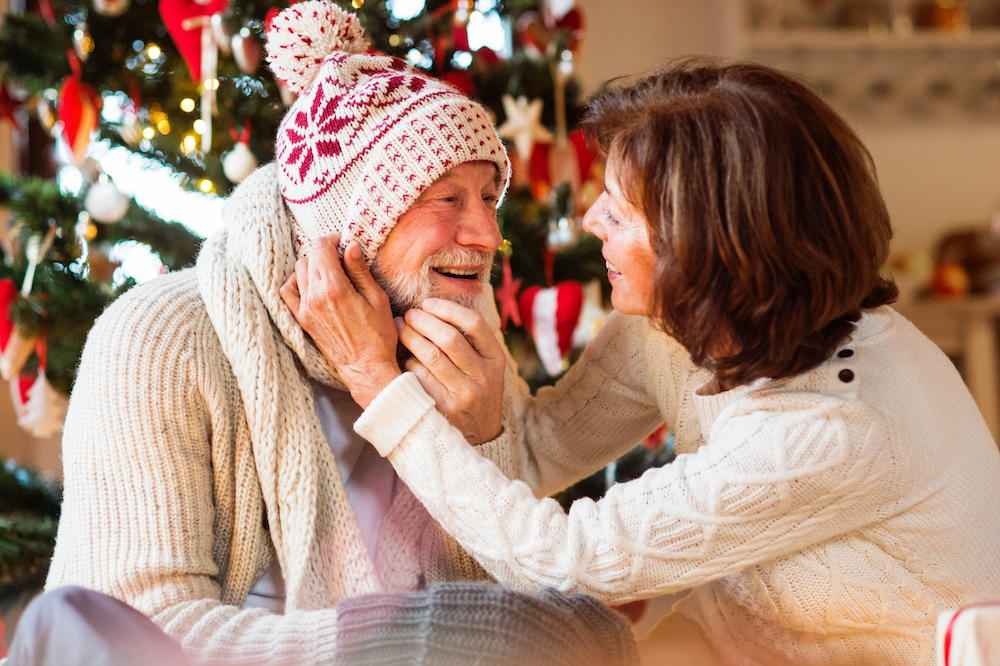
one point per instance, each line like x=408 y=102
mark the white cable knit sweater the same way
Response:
x=822 y=519
x=193 y=455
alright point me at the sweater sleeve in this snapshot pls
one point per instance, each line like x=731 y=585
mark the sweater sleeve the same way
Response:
x=601 y=408
x=143 y=482
x=773 y=480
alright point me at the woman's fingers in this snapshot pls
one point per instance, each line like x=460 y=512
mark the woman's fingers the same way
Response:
x=460 y=333
x=431 y=356
x=460 y=363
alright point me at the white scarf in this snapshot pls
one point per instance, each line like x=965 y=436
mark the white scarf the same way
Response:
x=240 y=269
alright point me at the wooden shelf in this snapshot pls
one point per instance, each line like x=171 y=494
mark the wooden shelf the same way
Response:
x=853 y=39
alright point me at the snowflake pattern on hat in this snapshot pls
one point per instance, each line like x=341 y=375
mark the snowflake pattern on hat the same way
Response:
x=366 y=138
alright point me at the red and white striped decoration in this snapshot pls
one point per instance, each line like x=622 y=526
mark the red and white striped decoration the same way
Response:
x=551 y=316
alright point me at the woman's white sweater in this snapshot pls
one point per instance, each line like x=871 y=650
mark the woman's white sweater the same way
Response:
x=823 y=519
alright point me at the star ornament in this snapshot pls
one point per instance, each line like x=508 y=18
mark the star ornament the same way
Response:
x=506 y=295
x=523 y=125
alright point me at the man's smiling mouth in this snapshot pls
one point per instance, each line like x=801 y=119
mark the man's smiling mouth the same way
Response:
x=463 y=274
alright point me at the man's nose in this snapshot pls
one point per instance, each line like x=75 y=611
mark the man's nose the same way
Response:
x=479 y=229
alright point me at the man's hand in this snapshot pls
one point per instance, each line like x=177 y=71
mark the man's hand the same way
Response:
x=459 y=363
x=347 y=315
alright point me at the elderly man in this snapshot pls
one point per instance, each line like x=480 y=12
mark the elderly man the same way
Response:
x=212 y=477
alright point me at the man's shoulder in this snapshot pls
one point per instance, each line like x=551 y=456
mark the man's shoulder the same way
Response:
x=167 y=303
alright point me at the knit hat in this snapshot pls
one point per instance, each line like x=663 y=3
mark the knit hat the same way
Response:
x=368 y=133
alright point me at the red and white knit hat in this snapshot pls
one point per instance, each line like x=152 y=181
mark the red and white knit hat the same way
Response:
x=368 y=133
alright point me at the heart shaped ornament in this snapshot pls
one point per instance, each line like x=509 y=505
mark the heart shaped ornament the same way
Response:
x=179 y=17
x=78 y=107
x=551 y=316
x=15 y=349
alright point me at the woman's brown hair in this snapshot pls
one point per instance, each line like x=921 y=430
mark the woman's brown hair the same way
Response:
x=763 y=209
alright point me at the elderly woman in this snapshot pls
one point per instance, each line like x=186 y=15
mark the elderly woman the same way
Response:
x=835 y=488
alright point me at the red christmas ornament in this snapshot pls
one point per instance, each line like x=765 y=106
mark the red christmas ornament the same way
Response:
x=551 y=316
x=8 y=107
x=537 y=32
x=487 y=56
x=461 y=81
x=541 y=166
x=506 y=295
x=79 y=108
x=8 y=293
x=188 y=39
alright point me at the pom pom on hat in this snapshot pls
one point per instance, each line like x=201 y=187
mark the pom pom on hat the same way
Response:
x=367 y=134
x=303 y=35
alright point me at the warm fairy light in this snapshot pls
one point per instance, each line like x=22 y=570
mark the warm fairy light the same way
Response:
x=394 y=40
x=153 y=51
x=148 y=133
x=84 y=39
x=189 y=143
x=205 y=185
x=187 y=105
x=212 y=84
x=199 y=126
x=357 y=3
x=163 y=126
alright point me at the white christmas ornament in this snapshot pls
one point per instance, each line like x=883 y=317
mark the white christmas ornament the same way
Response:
x=131 y=131
x=592 y=315
x=105 y=202
x=239 y=163
x=247 y=51
x=111 y=7
x=41 y=410
x=523 y=125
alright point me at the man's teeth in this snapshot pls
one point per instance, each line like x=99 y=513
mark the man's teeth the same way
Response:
x=611 y=267
x=458 y=272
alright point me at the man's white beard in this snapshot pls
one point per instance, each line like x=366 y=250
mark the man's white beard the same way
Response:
x=409 y=290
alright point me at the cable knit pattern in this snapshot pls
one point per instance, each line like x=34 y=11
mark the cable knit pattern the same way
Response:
x=822 y=519
x=314 y=531
x=193 y=456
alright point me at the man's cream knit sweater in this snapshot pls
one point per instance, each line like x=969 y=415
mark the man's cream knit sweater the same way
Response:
x=823 y=519
x=193 y=457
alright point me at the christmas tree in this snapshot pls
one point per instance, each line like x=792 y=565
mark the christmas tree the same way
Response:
x=183 y=84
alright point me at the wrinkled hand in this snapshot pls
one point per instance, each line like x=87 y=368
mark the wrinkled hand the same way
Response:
x=347 y=315
x=460 y=364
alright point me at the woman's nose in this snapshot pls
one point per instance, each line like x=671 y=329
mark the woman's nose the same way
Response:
x=593 y=220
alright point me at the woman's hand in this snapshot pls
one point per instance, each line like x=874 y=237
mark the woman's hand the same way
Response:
x=460 y=364
x=347 y=315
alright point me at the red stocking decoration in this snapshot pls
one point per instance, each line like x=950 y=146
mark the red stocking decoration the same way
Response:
x=551 y=315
